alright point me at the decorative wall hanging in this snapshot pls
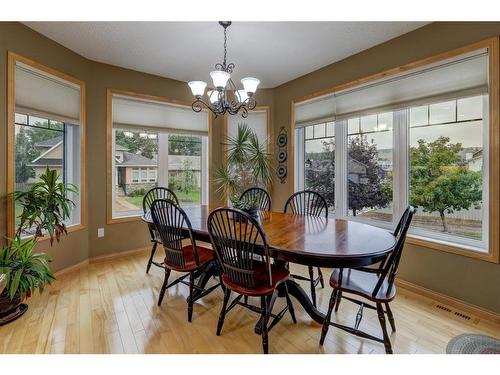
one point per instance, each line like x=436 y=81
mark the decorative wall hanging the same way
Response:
x=282 y=142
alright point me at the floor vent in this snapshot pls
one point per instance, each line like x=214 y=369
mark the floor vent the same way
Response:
x=443 y=308
x=462 y=315
x=456 y=313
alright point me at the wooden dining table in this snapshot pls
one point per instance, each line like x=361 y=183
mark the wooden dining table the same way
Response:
x=307 y=240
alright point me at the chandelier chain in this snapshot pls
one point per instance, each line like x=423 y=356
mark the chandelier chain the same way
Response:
x=225 y=45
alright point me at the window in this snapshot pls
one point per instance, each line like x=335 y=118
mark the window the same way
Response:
x=147 y=154
x=319 y=161
x=420 y=137
x=46 y=133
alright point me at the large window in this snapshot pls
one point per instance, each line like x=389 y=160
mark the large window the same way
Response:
x=420 y=137
x=46 y=133
x=147 y=154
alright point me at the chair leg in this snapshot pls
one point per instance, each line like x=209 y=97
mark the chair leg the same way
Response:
x=265 y=315
x=245 y=299
x=227 y=294
x=153 y=250
x=321 y=281
x=164 y=286
x=190 y=299
x=289 y=304
x=338 y=301
x=381 y=318
x=313 y=288
x=326 y=322
x=390 y=316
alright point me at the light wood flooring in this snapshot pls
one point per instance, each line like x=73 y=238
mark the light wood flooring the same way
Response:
x=110 y=307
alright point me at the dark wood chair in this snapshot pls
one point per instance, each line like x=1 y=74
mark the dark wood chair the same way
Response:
x=308 y=202
x=373 y=284
x=259 y=194
x=243 y=253
x=173 y=227
x=147 y=201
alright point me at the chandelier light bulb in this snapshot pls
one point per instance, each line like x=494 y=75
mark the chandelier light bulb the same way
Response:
x=242 y=96
x=250 y=84
x=197 y=88
x=213 y=96
x=220 y=78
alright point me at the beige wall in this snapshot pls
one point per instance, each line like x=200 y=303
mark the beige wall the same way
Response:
x=471 y=280
x=465 y=278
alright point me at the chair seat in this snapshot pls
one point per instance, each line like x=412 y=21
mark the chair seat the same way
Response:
x=362 y=283
x=261 y=287
x=205 y=255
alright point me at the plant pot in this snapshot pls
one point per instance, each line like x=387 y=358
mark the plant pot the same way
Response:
x=11 y=309
x=253 y=212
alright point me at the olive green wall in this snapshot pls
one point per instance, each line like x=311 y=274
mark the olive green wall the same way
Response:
x=24 y=41
x=80 y=245
x=471 y=280
x=464 y=278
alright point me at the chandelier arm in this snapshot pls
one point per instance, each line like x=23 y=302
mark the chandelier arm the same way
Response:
x=198 y=105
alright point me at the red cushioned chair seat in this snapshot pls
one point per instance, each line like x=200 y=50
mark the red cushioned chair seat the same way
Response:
x=205 y=255
x=362 y=283
x=261 y=287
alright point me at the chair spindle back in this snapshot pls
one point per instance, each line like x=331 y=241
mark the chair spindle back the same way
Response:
x=260 y=195
x=307 y=202
x=158 y=193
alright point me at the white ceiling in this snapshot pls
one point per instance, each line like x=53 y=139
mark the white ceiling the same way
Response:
x=274 y=52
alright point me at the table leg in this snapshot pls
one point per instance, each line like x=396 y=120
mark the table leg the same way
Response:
x=203 y=277
x=295 y=290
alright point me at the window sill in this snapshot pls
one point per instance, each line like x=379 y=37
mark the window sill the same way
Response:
x=453 y=249
x=70 y=229
x=125 y=219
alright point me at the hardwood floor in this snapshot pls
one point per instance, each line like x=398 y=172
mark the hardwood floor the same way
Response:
x=110 y=307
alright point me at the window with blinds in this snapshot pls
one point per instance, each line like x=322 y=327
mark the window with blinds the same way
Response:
x=47 y=132
x=419 y=137
x=157 y=144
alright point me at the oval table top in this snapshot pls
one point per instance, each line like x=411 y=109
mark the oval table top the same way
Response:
x=315 y=241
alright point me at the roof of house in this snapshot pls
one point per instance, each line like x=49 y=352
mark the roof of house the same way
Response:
x=45 y=162
x=50 y=142
x=135 y=160
x=119 y=147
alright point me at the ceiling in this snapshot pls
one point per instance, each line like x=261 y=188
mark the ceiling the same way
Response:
x=274 y=52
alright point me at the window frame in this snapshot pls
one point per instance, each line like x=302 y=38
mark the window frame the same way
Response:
x=400 y=178
x=206 y=150
x=12 y=60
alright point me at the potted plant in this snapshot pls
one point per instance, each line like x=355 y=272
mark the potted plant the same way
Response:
x=248 y=164
x=250 y=206
x=45 y=207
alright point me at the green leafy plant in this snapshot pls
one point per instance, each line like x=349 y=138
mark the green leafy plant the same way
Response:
x=45 y=206
x=246 y=204
x=24 y=270
x=248 y=164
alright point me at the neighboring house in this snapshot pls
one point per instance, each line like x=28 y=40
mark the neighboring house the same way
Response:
x=134 y=171
x=52 y=153
x=475 y=161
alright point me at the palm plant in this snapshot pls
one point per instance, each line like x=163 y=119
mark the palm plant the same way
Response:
x=24 y=271
x=248 y=164
x=45 y=206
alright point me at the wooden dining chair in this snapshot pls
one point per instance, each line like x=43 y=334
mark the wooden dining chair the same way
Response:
x=240 y=244
x=153 y=194
x=373 y=284
x=308 y=202
x=173 y=227
x=260 y=195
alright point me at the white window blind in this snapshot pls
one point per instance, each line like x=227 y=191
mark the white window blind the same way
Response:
x=256 y=121
x=157 y=116
x=460 y=76
x=41 y=94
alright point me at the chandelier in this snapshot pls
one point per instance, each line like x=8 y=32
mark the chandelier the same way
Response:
x=225 y=97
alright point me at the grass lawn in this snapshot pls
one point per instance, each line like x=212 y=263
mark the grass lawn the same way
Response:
x=193 y=197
